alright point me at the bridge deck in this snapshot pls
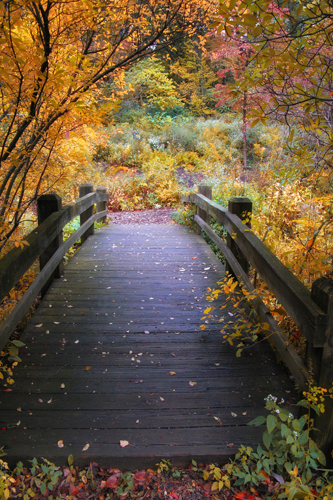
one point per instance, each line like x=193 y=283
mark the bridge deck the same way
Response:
x=112 y=349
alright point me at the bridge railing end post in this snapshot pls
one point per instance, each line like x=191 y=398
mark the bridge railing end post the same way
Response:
x=46 y=205
x=321 y=360
x=242 y=207
x=205 y=190
x=101 y=205
x=83 y=190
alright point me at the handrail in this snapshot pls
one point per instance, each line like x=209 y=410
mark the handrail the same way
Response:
x=289 y=291
x=18 y=260
x=311 y=311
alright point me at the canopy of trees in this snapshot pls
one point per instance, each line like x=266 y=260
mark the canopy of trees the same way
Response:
x=53 y=54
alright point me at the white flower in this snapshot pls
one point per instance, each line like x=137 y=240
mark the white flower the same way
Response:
x=271 y=398
x=291 y=415
x=277 y=410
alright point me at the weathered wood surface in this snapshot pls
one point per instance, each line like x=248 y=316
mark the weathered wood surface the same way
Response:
x=18 y=260
x=129 y=308
x=22 y=307
x=290 y=357
x=290 y=292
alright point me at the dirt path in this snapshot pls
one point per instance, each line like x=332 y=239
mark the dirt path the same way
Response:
x=157 y=216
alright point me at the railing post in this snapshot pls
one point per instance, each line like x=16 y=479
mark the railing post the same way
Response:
x=101 y=205
x=83 y=190
x=322 y=362
x=206 y=191
x=242 y=207
x=46 y=205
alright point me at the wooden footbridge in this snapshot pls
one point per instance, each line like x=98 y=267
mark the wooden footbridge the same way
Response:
x=115 y=367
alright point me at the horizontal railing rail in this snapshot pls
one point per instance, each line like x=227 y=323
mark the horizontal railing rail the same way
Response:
x=312 y=311
x=45 y=243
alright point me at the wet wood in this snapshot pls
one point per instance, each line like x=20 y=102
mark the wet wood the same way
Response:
x=115 y=351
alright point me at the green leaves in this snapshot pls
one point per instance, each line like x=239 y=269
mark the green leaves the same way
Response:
x=257 y=421
x=271 y=423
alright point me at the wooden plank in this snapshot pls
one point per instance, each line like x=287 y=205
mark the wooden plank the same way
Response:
x=147 y=447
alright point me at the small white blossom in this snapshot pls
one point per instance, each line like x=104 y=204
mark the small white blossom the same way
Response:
x=282 y=401
x=295 y=433
x=277 y=410
x=291 y=415
x=271 y=398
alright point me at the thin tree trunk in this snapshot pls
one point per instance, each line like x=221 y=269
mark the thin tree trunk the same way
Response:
x=245 y=130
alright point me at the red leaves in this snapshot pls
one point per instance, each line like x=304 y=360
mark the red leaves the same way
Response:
x=243 y=495
x=75 y=490
x=266 y=476
x=141 y=476
x=111 y=482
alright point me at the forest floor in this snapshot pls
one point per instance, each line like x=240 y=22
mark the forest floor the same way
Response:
x=95 y=483
x=155 y=216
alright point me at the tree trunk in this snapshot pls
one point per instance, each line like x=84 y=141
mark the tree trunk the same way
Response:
x=245 y=130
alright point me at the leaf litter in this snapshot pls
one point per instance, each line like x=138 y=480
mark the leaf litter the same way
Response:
x=163 y=482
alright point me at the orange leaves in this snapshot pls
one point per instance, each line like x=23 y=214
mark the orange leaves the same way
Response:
x=244 y=495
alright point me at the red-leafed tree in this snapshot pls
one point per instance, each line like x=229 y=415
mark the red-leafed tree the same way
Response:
x=233 y=58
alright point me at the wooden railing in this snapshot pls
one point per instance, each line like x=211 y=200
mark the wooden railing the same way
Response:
x=312 y=311
x=46 y=243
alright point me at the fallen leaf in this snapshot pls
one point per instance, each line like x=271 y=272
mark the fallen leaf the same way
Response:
x=38 y=326
x=76 y=341
x=192 y=384
x=19 y=409
x=278 y=478
x=40 y=400
x=50 y=400
x=87 y=368
x=62 y=386
x=230 y=445
x=162 y=399
x=233 y=414
x=123 y=443
x=86 y=446
x=140 y=476
x=172 y=373
x=60 y=443
x=111 y=482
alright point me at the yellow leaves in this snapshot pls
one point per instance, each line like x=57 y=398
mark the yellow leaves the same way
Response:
x=21 y=244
